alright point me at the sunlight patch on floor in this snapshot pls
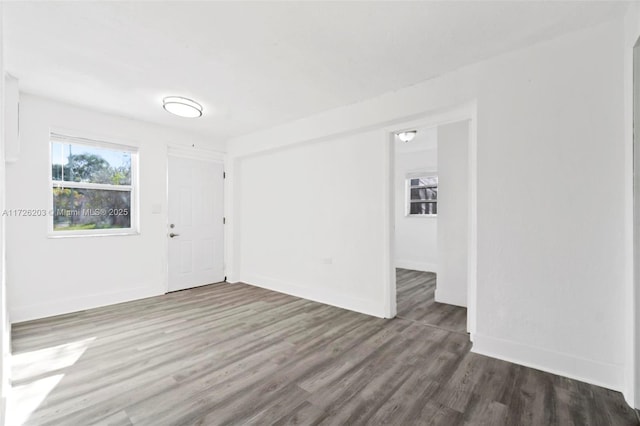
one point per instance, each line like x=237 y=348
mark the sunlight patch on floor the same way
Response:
x=36 y=373
x=26 y=399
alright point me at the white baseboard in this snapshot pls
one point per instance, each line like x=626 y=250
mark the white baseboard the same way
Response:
x=416 y=266
x=68 y=305
x=321 y=295
x=441 y=296
x=231 y=277
x=628 y=398
x=610 y=376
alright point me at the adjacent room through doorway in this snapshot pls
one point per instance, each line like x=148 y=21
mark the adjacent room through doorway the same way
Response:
x=431 y=225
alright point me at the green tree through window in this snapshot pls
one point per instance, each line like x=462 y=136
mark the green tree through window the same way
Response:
x=92 y=187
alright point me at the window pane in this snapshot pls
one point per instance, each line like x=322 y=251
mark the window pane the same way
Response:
x=424 y=194
x=83 y=163
x=432 y=193
x=76 y=209
x=424 y=208
x=418 y=208
x=432 y=208
x=425 y=181
x=418 y=194
x=429 y=181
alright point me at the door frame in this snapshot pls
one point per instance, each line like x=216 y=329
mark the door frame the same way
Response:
x=463 y=112
x=190 y=153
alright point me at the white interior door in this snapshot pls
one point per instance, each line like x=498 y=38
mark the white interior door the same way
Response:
x=195 y=230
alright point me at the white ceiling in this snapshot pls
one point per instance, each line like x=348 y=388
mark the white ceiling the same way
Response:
x=257 y=65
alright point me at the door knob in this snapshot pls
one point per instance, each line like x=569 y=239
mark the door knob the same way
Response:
x=173 y=235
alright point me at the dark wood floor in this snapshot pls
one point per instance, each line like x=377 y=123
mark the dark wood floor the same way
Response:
x=236 y=354
x=415 y=301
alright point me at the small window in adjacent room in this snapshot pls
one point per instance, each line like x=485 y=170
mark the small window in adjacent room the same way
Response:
x=93 y=187
x=422 y=195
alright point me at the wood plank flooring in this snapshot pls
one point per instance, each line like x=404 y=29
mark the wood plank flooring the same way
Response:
x=235 y=354
x=415 y=301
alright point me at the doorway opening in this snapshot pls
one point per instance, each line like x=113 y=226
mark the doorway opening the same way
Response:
x=433 y=220
x=431 y=189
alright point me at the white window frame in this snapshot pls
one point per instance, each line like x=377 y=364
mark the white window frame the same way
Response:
x=133 y=187
x=408 y=187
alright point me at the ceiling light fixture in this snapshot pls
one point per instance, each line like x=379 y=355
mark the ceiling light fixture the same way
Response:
x=407 y=136
x=182 y=107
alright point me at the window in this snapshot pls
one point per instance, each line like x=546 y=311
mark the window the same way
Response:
x=422 y=195
x=93 y=187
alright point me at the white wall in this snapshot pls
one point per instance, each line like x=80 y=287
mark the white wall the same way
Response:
x=453 y=213
x=415 y=237
x=550 y=281
x=49 y=276
x=5 y=328
x=632 y=307
x=307 y=221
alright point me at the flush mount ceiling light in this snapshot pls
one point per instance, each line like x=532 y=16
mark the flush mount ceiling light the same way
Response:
x=407 y=136
x=182 y=107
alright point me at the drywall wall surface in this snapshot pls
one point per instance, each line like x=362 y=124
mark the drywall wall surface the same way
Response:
x=309 y=220
x=5 y=328
x=453 y=213
x=550 y=134
x=631 y=389
x=49 y=276
x=415 y=237
x=551 y=275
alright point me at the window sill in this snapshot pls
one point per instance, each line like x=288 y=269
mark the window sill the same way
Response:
x=71 y=234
